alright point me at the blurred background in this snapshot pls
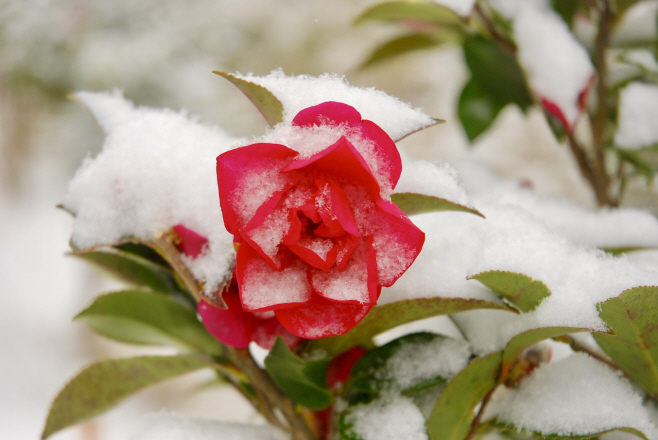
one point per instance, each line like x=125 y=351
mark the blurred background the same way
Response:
x=162 y=53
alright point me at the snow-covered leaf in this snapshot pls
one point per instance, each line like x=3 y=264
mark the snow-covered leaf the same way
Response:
x=520 y=291
x=131 y=268
x=407 y=364
x=304 y=381
x=140 y=317
x=387 y=316
x=633 y=316
x=453 y=414
x=411 y=203
x=103 y=384
x=266 y=103
x=578 y=396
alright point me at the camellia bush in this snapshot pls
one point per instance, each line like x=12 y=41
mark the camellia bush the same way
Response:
x=396 y=298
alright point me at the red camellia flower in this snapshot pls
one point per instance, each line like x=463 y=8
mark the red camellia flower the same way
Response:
x=316 y=233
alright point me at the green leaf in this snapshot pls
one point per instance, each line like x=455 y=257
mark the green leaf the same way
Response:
x=567 y=9
x=496 y=81
x=531 y=337
x=476 y=110
x=131 y=268
x=304 y=381
x=623 y=5
x=410 y=11
x=369 y=375
x=388 y=316
x=401 y=45
x=266 y=103
x=625 y=250
x=411 y=203
x=510 y=427
x=633 y=317
x=453 y=414
x=140 y=317
x=102 y=385
x=144 y=251
x=518 y=290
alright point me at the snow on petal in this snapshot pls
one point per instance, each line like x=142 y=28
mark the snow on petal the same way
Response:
x=638 y=113
x=558 y=66
x=151 y=175
x=576 y=396
x=299 y=92
x=263 y=288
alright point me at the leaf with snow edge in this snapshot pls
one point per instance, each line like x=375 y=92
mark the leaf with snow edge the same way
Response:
x=411 y=203
x=131 y=268
x=633 y=316
x=304 y=381
x=398 y=119
x=143 y=250
x=266 y=103
x=387 y=316
x=404 y=12
x=104 y=384
x=408 y=43
x=518 y=290
x=371 y=374
x=616 y=251
x=511 y=427
x=623 y=5
x=140 y=317
x=496 y=80
x=453 y=414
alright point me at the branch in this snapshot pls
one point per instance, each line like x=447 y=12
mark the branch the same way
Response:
x=578 y=346
x=495 y=33
x=263 y=384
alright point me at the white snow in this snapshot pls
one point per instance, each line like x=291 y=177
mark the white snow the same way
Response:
x=416 y=362
x=431 y=179
x=638 y=113
x=156 y=170
x=296 y=93
x=169 y=426
x=557 y=65
x=460 y=7
x=388 y=418
x=575 y=396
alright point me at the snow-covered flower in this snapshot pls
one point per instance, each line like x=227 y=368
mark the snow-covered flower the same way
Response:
x=316 y=232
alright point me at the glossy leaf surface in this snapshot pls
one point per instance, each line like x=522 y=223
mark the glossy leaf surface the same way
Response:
x=103 y=384
x=412 y=203
x=140 y=317
x=304 y=381
x=266 y=103
x=518 y=290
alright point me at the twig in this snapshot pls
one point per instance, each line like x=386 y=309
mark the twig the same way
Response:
x=600 y=117
x=478 y=417
x=270 y=393
x=170 y=253
x=491 y=27
x=577 y=346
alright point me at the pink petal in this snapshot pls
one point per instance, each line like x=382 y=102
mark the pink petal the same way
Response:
x=387 y=150
x=232 y=167
x=341 y=161
x=319 y=318
x=556 y=111
x=341 y=366
x=327 y=113
x=263 y=288
x=233 y=326
x=190 y=243
x=396 y=242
